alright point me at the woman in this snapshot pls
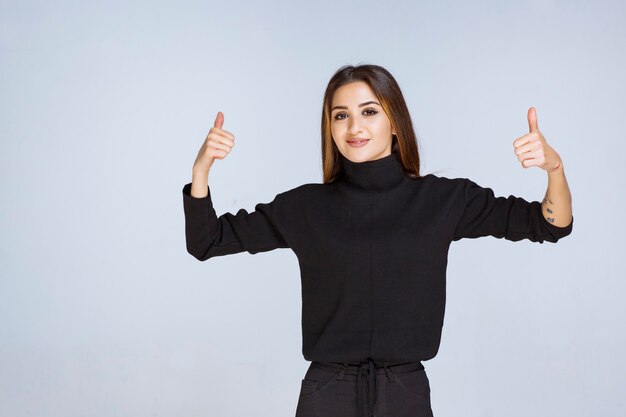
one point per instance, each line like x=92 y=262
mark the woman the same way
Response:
x=372 y=243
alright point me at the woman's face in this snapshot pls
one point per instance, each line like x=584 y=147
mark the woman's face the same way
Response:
x=356 y=113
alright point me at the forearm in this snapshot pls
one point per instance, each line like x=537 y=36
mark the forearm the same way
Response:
x=199 y=184
x=556 y=206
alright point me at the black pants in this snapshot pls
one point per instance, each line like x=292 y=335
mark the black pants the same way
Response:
x=365 y=389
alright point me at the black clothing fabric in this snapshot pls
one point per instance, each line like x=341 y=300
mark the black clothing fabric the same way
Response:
x=372 y=248
x=337 y=390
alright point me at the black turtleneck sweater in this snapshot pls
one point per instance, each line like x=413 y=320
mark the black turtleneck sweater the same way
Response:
x=372 y=248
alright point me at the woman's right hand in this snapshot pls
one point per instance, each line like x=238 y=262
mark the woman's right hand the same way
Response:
x=217 y=145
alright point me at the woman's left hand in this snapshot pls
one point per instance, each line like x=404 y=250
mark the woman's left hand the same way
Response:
x=532 y=148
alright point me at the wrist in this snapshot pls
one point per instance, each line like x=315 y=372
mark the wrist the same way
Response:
x=557 y=170
x=199 y=173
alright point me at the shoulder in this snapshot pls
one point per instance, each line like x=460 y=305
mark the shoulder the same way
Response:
x=440 y=181
x=446 y=188
x=303 y=191
x=450 y=181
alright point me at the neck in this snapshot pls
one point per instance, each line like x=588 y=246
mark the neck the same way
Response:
x=378 y=174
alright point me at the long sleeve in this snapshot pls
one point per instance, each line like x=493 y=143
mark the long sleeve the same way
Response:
x=208 y=235
x=510 y=217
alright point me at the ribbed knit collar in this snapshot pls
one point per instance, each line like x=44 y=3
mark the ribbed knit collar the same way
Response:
x=379 y=174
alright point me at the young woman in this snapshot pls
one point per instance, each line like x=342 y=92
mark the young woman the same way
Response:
x=372 y=243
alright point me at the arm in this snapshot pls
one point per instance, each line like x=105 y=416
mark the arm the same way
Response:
x=515 y=218
x=199 y=184
x=207 y=235
x=512 y=218
x=556 y=206
x=532 y=149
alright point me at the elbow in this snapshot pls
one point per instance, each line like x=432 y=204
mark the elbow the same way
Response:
x=201 y=253
x=199 y=245
x=555 y=238
x=553 y=233
x=196 y=255
x=565 y=230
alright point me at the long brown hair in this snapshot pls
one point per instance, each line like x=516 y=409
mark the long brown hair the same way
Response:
x=392 y=101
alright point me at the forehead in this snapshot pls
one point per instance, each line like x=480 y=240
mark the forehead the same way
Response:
x=353 y=94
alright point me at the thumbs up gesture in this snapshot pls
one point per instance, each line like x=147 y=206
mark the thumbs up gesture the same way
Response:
x=532 y=148
x=217 y=145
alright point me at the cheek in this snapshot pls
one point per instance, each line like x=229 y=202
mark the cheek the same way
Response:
x=381 y=129
x=336 y=131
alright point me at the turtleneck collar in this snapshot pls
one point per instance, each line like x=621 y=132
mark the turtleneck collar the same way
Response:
x=379 y=174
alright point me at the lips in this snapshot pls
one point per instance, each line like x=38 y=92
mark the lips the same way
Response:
x=357 y=142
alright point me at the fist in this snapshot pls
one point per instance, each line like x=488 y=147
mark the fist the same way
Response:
x=532 y=149
x=217 y=145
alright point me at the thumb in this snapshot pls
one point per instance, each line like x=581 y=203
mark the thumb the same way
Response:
x=219 y=120
x=532 y=119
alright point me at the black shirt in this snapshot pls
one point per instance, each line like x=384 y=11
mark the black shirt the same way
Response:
x=372 y=248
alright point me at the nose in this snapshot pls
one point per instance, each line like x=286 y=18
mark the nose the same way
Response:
x=354 y=127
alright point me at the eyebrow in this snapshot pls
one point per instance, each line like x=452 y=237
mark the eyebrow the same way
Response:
x=360 y=105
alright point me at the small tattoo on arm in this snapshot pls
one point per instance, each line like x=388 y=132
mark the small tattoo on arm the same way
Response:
x=549 y=210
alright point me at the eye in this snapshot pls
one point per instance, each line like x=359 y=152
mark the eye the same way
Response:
x=370 y=112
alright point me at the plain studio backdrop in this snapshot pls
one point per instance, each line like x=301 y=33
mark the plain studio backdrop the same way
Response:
x=105 y=106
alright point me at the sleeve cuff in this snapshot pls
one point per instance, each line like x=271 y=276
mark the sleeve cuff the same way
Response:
x=187 y=193
x=196 y=207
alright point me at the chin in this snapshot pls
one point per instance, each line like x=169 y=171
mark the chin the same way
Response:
x=357 y=155
x=362 y=154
